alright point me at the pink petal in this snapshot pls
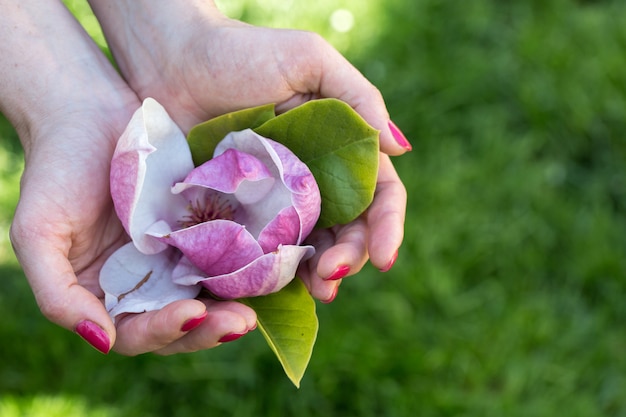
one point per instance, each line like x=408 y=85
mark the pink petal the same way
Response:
x=134 y=282
x=305 y=194
x=280 y=230
x=228 y=173
x=151 y=155
x=241 y=179
x=216 y=247
x=265 y=275
x=297 y=187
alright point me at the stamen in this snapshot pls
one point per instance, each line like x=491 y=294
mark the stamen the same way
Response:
x=212 y=208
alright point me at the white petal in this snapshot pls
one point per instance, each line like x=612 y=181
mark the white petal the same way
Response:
x=134 y=282
x=152 y=154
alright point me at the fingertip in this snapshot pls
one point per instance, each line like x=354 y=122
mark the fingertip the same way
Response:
x=390 y=263
x=229 y=337
x=95 y=335
x=182 y=315
x=341 y=80
x=332 y=294
x=80 y=311
x=340 y=272
x=225 y=321
x=399 y=137
x=153 y=330
x=325 y=291
x=386 y=217
x=384 y=252
x=193 y=322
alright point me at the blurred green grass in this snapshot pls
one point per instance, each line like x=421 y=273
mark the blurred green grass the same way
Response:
x=507 y=297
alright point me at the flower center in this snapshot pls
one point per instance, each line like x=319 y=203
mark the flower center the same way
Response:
x=212 y=207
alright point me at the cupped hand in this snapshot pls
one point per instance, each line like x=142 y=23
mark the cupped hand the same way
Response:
x=211 y=65
x=65 y=227
x=69 y=118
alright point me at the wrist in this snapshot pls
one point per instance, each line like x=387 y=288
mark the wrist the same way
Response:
x=137 y=30
x=50 y=69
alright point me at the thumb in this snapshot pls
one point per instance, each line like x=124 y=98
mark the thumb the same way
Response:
x=340 y=79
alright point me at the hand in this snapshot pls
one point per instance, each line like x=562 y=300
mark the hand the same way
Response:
x=200 y=64
x=65 y=224
x=65 y=227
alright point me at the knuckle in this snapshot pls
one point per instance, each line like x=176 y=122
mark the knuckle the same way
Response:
x=51 y=309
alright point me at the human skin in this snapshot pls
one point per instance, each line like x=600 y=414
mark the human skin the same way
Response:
x=199 y=64
x=69 y=107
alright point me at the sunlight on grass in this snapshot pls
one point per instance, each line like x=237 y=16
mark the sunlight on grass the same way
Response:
x=349 y=25
x=507 y=297
x=10 y=171
x=51 y=406
x=83 y=13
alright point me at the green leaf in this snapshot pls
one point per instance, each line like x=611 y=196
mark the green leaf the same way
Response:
x=203 y=138
x=289 y=324
x=340 y=149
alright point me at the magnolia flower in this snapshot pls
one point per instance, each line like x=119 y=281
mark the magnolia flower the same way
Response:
x=233 y=224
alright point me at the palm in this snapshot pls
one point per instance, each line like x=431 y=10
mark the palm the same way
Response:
x=97 y=231
x=79 y=217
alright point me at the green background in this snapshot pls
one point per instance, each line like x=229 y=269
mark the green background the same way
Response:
x=508 y=295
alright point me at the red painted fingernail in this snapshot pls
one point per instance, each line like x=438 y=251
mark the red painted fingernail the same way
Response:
x=94 y=335
x=390 y=263
x=194 y=322
x=340 y=272
x=399 y=136
x=332 y=297
x=230 y=337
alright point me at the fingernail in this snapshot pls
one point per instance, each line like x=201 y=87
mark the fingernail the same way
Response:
x=332 y=297
x=94 y=335
x=399 y=136
x=230 y=337
x=194 y=322
x=340 y=272
x=390 y=263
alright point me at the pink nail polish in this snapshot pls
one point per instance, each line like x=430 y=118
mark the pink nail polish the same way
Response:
x=399 y=136
x=332 y=297
x=193 y=323
x=340 y=272
x=230 y=337
x=390 y=263
x=94 y=335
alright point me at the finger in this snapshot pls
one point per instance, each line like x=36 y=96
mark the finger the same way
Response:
x=225 y=321
x=340 y=252
x=386 y=216
x=44 y=259
x=150 y=331
x=340 y=79
x=165 y=331
x=324 y=290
